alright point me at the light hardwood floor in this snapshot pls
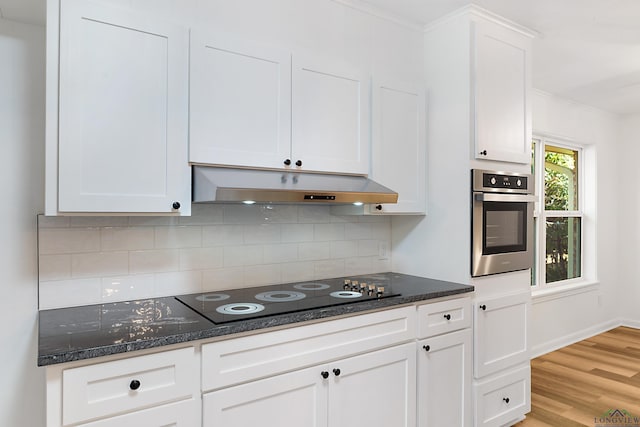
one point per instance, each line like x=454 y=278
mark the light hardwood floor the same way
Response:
x=574 y=385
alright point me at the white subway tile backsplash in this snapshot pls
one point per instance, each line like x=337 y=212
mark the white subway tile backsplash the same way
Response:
x=224 y=278
x=201 y=258
x=314 y=214
x=368 y=247
x=298 y=272
x=235 y=256
x=99 y=264
x=69 y=293
x=262 y=233
x=344 y=249
x=297 y=233
x=178 y=237
x=87 y=260
x=314 y=251
x=257 y=275
x=98 y=221
x=179 y=282
x=222 y=235
x=119 y=288
x=126 y=238
x=331 y=268
x=328 y=232
x=279 y=253
x=203 y=214
x=154 y=261
x=68 y=241
x=54 y=267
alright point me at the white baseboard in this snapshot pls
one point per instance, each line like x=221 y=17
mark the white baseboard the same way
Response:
x=630 y=323
x=566 y=340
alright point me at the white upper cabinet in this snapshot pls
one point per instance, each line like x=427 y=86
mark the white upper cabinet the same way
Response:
x=502 y=89
x=240 y=102
x=122 y=140
x=331 y=110
x=399 y=145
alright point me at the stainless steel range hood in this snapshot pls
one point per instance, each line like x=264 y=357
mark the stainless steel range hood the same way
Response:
x=228 y=185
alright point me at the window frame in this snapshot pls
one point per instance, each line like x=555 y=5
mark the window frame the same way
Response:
x=538 y=276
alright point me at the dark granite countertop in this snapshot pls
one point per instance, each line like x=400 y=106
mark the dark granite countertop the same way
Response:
x=78 y=333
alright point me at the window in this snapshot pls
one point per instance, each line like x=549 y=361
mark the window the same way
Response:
x=559 y=214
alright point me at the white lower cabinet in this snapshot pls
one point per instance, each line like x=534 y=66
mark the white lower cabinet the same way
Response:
x=332 y=394
x=503 y=399
x=444 y=380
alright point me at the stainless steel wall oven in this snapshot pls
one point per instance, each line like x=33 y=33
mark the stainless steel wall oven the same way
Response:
x=502 y=222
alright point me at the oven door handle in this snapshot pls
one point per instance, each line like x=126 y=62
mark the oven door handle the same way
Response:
x=491 y=197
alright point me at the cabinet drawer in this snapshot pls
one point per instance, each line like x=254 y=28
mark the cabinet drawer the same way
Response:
x=257 y=356
x=503 y=399
x=442 y=317
x=180 y=414
x=111 y=388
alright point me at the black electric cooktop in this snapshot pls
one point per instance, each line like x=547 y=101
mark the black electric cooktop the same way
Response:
x=240 y=304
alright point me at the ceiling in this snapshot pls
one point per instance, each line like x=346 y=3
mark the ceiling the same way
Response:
x=587 y=50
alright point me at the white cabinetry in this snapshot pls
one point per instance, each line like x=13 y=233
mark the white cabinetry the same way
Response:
x=444 y=364
x=331 y=118
x=148 y=390
x=240 y=102
x=502 y=91
x=399 y=145
x=325 y=395
x=251 y=106
x=480 y=81
x=117 y=136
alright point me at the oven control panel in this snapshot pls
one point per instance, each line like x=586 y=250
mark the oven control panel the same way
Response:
x=489 y=181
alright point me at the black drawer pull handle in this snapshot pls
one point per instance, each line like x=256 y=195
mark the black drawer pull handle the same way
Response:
x=447 y=316
x=483 y=307
x=134 y=385
x=483 y=152
x=426 y=347
x=336 y=372
x=506 y=400
x=324 y=374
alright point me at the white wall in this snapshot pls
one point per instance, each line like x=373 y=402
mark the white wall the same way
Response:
x=563 y=318
x=21 y=174
x=629 y=208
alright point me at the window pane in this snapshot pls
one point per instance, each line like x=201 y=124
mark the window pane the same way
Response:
x=563 y=248
x=560 y=179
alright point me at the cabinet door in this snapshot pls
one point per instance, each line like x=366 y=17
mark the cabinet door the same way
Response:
x=399 y=145
x=375 y=389
x=289 y=400
x=331 y=104
x=444 y=380
x=501 y=333
x=502 y=93
x=180 y=414
x=122 y=143
x=240 y=102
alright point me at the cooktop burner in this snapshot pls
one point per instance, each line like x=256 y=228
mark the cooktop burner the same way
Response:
x=238 y=304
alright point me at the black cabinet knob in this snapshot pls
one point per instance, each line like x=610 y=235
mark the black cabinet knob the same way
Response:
x=176 y=205
x=287 y=162
x=298 y=163
x=134 y=384
x=324 y=374
x=336 y=372
x=506 y=399
x=426 y=347
x=447 y=316
x=483 y=152
x=483 y=307
x=379 y=207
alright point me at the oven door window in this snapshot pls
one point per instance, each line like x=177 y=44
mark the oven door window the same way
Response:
x=505 y=227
